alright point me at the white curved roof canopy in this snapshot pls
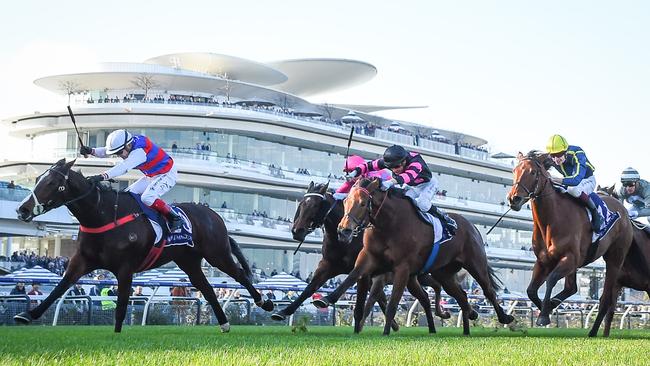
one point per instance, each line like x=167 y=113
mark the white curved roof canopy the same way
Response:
x=308 y=77
x=123 y=76
x=234 y=68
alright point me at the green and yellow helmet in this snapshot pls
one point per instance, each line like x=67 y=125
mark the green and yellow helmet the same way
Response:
x=556 y=144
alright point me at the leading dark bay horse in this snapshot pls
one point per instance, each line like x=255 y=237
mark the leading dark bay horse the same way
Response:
x=318 y=208
x=122 y=249
x=396 y=240
x=635 y=272
x=562 y=238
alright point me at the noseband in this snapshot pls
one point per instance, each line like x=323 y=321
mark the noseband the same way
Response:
x=369 y=218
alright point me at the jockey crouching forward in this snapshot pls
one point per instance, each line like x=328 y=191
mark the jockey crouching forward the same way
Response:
x=635 y=191
x=140 y=153
x=410 y=170
x=571 y=161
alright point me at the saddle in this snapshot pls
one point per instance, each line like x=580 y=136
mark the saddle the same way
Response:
x=159 y=224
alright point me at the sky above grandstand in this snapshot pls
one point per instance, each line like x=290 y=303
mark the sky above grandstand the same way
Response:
x=512 y=72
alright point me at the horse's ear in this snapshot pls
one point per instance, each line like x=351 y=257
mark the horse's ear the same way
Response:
x=68 y=165
x=545 y=160
x=599 y=188
x=323 y=189
x=60 y=162
x=520 y=156
x=311 y=186
x=374 y=184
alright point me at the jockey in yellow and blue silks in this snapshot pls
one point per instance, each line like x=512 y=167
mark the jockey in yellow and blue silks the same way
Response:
x=138 y=152
x=412 y=172
x=571 y=161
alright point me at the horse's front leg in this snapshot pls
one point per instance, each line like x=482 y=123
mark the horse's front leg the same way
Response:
x=365 y=265
x=124 y=280
x=77 y=267
x=323 y=273
x=565 y=266
x=400 y=279
x=539 y=275
x=363 y=286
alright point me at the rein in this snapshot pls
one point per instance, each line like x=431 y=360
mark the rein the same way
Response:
x=41 y=208
x=533 y=194
x=362 y=224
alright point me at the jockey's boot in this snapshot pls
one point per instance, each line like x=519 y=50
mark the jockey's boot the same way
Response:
x=450 y=223
x=173 y=219
x=596 y=218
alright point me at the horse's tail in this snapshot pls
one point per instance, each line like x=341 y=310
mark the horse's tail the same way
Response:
x=234 y=247
x=494 y=279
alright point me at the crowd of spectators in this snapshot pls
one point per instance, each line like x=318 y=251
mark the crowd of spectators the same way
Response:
x=31 y=259
x=365 y=128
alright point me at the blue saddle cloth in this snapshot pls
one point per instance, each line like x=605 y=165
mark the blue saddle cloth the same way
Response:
x=610 y=217
x=180 y=237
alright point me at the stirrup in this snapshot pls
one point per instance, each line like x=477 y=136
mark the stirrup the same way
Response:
x=175 y=224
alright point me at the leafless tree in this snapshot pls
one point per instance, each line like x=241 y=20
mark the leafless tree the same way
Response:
x=328 y=110
x=145 y=82
x=70 y=87
x=227 y=87
x=283 y=101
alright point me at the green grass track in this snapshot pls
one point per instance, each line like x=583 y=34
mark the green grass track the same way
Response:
x=275 y=345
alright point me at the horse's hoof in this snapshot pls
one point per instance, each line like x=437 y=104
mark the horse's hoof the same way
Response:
x=507 y=319
x=473 y=315
x=278 y=316
x=225 y=327
x=23 y=318
x=266 y=305
x=444 y=315
x=543 y=320
x=321 y=303
x=395 y=327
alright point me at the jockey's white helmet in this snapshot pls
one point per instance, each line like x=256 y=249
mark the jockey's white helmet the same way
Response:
x=117 y=140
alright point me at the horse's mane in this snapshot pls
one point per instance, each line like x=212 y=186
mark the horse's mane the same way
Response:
x=102 y=187
x=547 y=163
x=392 y=192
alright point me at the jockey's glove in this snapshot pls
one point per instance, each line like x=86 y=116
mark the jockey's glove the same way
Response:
x=94 y=179
x=354 y=173
x=85 y=150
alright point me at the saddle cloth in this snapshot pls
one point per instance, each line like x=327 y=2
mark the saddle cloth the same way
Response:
x=160 y=227
x=610 y=218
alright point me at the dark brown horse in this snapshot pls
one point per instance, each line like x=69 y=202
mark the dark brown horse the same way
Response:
x=635 y=272
x=562 y=238
x=123 y=249
x=396 y=240
x=318 y=208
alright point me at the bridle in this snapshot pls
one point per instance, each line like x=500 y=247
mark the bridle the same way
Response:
x=536 y=192
x=41 y=208
x=317 y=222
x=368 y=219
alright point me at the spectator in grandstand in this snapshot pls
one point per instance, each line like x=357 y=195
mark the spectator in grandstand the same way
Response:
x=11 y=185
x=36 y=289
x=19 y=289
x=78 y=290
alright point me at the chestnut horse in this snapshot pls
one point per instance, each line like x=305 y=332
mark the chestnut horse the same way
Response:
x=396 y=240
x=318 y=208
x=562 y=238
x=122 y=249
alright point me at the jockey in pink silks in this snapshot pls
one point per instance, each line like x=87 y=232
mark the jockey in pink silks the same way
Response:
x=351 y=163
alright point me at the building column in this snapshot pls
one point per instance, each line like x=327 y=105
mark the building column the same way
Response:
x=8 y=246
x=42 y=246
x=57 y=246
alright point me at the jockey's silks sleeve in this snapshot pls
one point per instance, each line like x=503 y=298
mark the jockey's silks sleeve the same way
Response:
x=135 y=158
